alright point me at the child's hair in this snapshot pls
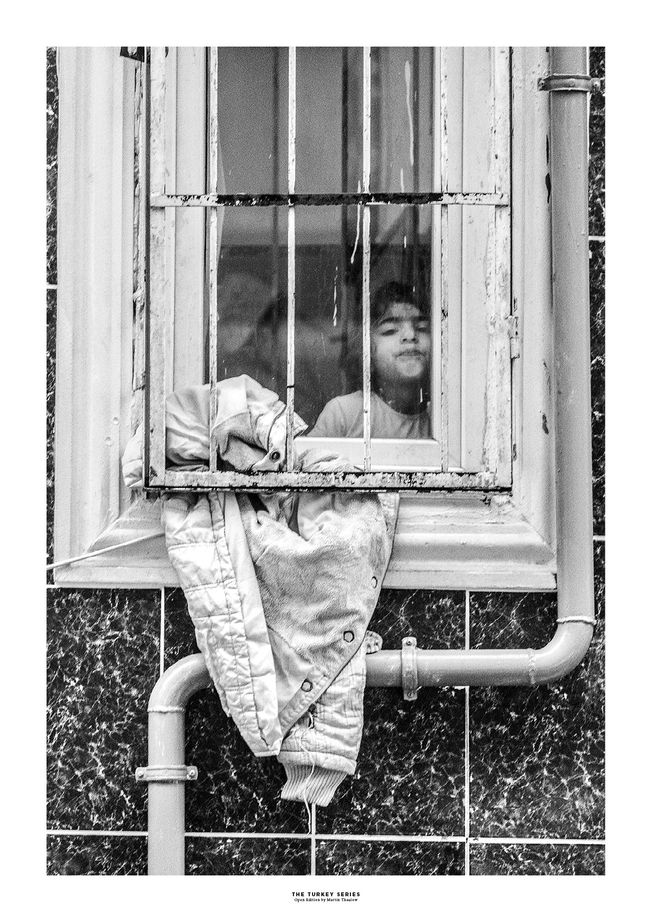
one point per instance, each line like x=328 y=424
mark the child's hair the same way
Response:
x=393 y=293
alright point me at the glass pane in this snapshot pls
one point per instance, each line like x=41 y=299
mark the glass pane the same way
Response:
x=328 y=308
x=253 y=121
x=402 y=81
x=401 y=322
x=329 y=120
x=252 y=296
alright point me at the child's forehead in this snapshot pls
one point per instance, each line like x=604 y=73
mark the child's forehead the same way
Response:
x=399 y=310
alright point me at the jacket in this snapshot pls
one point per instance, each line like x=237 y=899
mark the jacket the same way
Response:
x=280 y=587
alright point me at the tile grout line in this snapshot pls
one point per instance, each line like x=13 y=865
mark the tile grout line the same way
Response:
x=161 y=640
x=330 y=837
x=313 y=840
x=467 y=715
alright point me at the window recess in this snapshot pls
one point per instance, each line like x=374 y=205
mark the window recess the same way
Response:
x=501 y=537
x=328 y=173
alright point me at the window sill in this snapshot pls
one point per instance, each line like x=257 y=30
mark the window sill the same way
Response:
x=442 y=542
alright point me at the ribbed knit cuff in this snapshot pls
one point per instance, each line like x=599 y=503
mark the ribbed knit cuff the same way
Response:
x=317 y=788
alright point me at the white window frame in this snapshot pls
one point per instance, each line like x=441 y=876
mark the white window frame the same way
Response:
x=448 y=540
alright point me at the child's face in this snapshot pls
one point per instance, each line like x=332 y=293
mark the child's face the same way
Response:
x=400 y=345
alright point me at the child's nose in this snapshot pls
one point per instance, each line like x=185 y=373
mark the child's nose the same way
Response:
x=408 y=332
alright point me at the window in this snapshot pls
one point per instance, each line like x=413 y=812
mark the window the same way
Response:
x=332 y=174
x=487 y=520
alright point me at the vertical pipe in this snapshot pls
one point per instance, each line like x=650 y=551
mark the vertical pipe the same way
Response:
x=571 y=337
x=366 y=258
x=291 y=310
x=166 y=747
x=212 y=251
x=166 y=810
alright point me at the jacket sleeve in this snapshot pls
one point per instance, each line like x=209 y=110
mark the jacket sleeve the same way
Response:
x=321 y=748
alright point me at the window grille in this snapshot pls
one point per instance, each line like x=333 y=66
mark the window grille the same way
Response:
x=477 y=214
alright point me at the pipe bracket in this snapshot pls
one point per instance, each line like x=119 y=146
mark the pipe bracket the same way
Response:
x=170 y=773
x=409 y=675
x=568 y=83
x=584 y=619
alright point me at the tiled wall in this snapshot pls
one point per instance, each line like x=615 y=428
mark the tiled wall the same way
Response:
x=480 y=781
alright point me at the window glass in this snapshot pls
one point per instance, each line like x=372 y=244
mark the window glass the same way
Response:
x=252 y=110
x=252 y=296
x=402 y=135
x=329 y=120
x=328 y=305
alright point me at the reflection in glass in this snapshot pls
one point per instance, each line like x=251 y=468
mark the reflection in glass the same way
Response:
x=328 y=305
x=401 y=326
x=329 y=359
x=252 y=296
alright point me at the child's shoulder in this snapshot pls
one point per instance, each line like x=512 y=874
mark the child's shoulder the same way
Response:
x=354 y=399
x=339 y=415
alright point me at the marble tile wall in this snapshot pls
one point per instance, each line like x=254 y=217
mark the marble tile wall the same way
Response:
x=480 y=781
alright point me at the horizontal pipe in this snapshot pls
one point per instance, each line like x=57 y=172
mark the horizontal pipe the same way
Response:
x=486 y=667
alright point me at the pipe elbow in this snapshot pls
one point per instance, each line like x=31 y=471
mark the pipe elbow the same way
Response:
x=563 y=653
x=179 y=683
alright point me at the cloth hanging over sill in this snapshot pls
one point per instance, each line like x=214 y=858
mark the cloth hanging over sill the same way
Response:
x=280 y=587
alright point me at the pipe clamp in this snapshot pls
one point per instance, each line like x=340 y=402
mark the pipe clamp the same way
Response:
x=560 y=83
x=409 y=675
x=170 y=773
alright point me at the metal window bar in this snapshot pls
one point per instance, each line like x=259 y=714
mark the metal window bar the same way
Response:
x=170 y=128
x=156 y=277
x=443 y=259
x=266 y=200
x=291 y=304
x=140 y=245
x=366 y=256
x=212 y=252
x=161 y=202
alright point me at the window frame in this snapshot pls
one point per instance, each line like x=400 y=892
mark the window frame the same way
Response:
x=161 y=212
x=447 y=540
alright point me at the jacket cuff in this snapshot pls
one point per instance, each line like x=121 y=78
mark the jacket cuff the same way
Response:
x=316 y=785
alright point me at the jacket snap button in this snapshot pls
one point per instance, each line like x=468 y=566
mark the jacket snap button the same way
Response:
x=374 y=581
x=275 y=455
x=306 y=685
x=348 y=636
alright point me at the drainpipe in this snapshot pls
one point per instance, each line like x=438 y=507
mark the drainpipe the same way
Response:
x=410 y=667
x=166 y=772
x=569 y=86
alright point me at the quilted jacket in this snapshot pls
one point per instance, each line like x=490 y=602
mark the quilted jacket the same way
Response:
x=280 y=587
